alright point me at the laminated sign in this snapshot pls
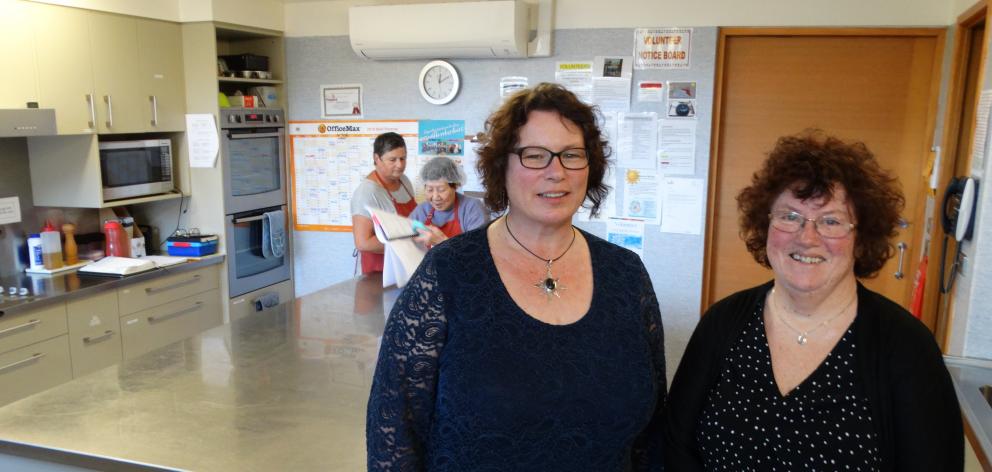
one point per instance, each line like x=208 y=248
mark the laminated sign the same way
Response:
x=662 y=48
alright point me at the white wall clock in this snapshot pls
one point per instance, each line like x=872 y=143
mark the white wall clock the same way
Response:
x=439 y=82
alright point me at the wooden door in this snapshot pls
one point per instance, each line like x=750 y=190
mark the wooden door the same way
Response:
x=875 y=86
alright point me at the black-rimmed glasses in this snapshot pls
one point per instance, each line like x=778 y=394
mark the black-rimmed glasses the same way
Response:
x=537 y=157
x=828 y=226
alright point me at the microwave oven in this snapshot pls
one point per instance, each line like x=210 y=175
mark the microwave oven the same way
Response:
x=135 y=168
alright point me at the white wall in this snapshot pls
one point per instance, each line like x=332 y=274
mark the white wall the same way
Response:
x=266 y=14
x=330 y=17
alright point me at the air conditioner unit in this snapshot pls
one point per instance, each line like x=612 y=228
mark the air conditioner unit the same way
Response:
x=496 y=29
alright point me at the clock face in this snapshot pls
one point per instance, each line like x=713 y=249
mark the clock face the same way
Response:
x=439 y=82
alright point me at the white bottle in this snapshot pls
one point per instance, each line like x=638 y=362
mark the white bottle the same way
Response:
x=34 y=251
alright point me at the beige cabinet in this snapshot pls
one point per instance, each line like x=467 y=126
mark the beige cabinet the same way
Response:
x=34 y=352
x=114 y=44
x=161 y=82
x=107 y=73
x=166 y=289
x=65 y=70
x=20 y=84
x=34 y=368
x=155 y=327
x=94 y=333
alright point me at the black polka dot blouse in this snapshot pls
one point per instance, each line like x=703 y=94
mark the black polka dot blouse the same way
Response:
x=824 y=424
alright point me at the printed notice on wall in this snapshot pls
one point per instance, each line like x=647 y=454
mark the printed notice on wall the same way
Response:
x=577 y=77
x=10 y=210
x=981 y=140
x=677 y=147
x=650 y=91
x=626 y=233
x=640 y=195
x=509 y=85
x=682 y=205
x=637 y=140
x=201 y=140
x=662 y=48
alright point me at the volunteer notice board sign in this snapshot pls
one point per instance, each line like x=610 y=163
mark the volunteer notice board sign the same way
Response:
x=328 y=161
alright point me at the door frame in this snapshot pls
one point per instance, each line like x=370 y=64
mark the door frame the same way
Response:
x=709 y=264
x=963 y=34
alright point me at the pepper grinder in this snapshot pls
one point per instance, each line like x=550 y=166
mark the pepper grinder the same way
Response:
x=71 y=250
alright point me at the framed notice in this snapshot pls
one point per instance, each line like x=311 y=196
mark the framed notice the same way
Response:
x=341 y=101
x=662 y=48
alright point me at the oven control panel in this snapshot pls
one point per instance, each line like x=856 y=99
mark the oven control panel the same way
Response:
x=251 y=118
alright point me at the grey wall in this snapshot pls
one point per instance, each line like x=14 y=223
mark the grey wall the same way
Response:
x=390 y=88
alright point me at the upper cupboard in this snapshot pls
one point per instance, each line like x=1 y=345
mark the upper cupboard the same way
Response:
x=101 y=72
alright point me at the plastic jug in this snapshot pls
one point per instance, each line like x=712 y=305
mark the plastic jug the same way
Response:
x=51 y=247
x=117 y=242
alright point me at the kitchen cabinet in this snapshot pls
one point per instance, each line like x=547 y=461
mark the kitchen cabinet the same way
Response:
x=34 y=352
x=65 y=172
x=65 y=71
x=160 y=46
x=20 y=85
x=165 y=324
x=113 y=39
x=106 y=73
x=94 y=333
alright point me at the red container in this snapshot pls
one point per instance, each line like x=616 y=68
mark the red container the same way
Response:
x=117 y=242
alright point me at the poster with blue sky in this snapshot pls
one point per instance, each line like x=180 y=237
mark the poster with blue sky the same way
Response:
x=441 y=137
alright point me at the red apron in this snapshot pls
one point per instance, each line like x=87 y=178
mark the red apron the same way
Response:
x=373 y=262
x=451 y=228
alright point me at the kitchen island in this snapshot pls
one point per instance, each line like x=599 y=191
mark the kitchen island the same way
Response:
x=282 y=389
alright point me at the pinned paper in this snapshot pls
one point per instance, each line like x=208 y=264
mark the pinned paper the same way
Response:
x=201 y=140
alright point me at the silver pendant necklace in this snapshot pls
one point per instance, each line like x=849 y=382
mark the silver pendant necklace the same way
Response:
x=803 y=336
x=549 y=284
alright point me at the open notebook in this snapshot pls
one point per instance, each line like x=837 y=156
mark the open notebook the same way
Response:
x=113 y=266
x=402 y=254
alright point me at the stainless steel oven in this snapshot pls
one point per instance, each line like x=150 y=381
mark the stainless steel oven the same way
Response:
x=254 y=164
x=251 y=263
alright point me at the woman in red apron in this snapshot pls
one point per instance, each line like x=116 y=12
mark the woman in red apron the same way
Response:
x=385 y=188
x=446 y=213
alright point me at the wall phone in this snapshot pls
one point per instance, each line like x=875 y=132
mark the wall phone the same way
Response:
x=957 y=218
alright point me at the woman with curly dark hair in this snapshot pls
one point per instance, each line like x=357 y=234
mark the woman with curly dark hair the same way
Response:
x=813 y=371
x=527 y=344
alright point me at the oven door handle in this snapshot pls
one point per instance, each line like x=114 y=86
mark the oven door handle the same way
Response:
x=248 y=219
x=254 y=135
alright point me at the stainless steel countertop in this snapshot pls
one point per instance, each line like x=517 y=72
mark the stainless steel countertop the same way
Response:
x=283 y=389
x=968 y=376
x=49 y=289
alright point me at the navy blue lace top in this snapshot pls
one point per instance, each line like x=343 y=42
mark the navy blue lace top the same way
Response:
x=466 y=381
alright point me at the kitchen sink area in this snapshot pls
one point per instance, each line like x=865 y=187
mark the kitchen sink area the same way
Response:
x=973 y=385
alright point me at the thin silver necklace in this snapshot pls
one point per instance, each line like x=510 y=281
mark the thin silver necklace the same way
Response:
x=549 y=284
x=803 y=336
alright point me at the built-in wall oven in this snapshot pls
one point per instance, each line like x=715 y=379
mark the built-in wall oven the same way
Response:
x=250 y=264
x=254 y=164
x=254 y=169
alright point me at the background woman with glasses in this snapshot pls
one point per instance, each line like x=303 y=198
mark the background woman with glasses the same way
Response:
x=525 y=345
x=446 y=213
x=813 y=371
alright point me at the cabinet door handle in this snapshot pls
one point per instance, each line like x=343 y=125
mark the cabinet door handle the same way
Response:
x=91 y=340
x=110 y=110
x=34 y=357
x=154 y=100
x=156 y=319
x=92 y=102
x=154 y=290
x=902 y=246
x=19 y=327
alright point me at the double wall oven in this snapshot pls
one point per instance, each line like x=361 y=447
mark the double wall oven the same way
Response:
x=252 y=144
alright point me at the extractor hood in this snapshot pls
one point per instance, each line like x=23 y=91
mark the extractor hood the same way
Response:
x=18 y=122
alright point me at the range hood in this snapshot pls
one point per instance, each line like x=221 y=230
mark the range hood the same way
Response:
x=18 y=122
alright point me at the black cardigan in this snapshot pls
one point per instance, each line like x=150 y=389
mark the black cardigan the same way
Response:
x=914 y=409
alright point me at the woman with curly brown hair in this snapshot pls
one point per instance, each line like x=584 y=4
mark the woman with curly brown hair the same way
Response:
x=813 y=371
x=527 y=344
